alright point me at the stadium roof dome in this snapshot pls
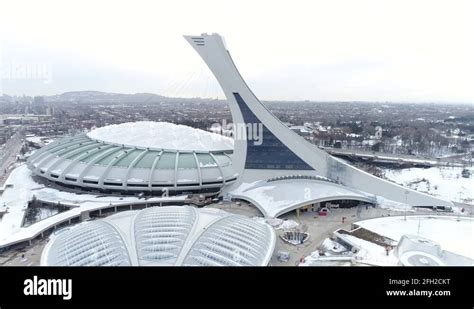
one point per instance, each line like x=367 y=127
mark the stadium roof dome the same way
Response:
x=151 y=157
x=162 y=135
x=171 y=235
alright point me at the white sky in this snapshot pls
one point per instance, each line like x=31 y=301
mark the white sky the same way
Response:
x=286 y=50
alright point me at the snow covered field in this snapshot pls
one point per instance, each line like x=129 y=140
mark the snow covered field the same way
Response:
x=445 y=182
x=162 y=135
x=453 y=235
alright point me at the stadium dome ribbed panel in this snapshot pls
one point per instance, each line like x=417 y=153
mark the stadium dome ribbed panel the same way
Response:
x=163 y=236
x=95 y=244
x=161 y=232
x=231 y=241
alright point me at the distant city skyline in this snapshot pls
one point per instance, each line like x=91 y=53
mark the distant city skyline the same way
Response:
x=390 y=51
x=146 y=95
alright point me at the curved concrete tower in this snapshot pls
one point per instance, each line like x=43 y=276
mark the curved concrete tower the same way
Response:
x=266 y=148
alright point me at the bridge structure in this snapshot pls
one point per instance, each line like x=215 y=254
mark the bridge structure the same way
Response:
x=395 y=160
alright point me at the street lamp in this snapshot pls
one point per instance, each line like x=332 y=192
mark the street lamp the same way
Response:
x=419 y=224
x=406 y=203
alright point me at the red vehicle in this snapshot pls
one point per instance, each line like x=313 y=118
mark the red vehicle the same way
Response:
x=323 y=212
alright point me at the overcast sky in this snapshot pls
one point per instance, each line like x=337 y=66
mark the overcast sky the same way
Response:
x=410 y=51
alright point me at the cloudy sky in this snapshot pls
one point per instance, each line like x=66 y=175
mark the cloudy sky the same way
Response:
x=410 y=51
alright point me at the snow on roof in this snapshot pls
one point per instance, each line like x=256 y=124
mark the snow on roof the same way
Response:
x=371 y=253
x=162 y=135
x=452 y=233
x=279 y=197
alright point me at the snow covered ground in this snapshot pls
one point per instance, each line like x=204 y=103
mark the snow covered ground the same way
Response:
x=445 y=182
x=332 y=253
x=40 y=140
x=332 y=246
x=371 y=253
x=20 y=188
x=453 y=235
x=162 y=135
x=278 y=224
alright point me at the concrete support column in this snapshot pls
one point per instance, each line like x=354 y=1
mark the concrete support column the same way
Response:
x=84 y=216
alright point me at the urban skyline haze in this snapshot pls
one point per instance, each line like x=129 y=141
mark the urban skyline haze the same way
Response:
x=402 y=51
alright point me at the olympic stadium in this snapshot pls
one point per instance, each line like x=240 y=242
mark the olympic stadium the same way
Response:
x=130 y=178
x=139 y=157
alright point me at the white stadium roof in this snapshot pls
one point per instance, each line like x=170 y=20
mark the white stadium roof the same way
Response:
x=162 y=135
x=163 y=236
x=280 y=195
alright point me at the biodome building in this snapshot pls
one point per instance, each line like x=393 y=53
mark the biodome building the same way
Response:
x=148 y=157
x=163 y=236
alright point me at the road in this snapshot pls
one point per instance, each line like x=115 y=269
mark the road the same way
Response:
x=8 y=154
x=388 y=158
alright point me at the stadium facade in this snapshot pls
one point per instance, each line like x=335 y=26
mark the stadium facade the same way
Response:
x=266 y=163
x=145 y=161
x=282 y=154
